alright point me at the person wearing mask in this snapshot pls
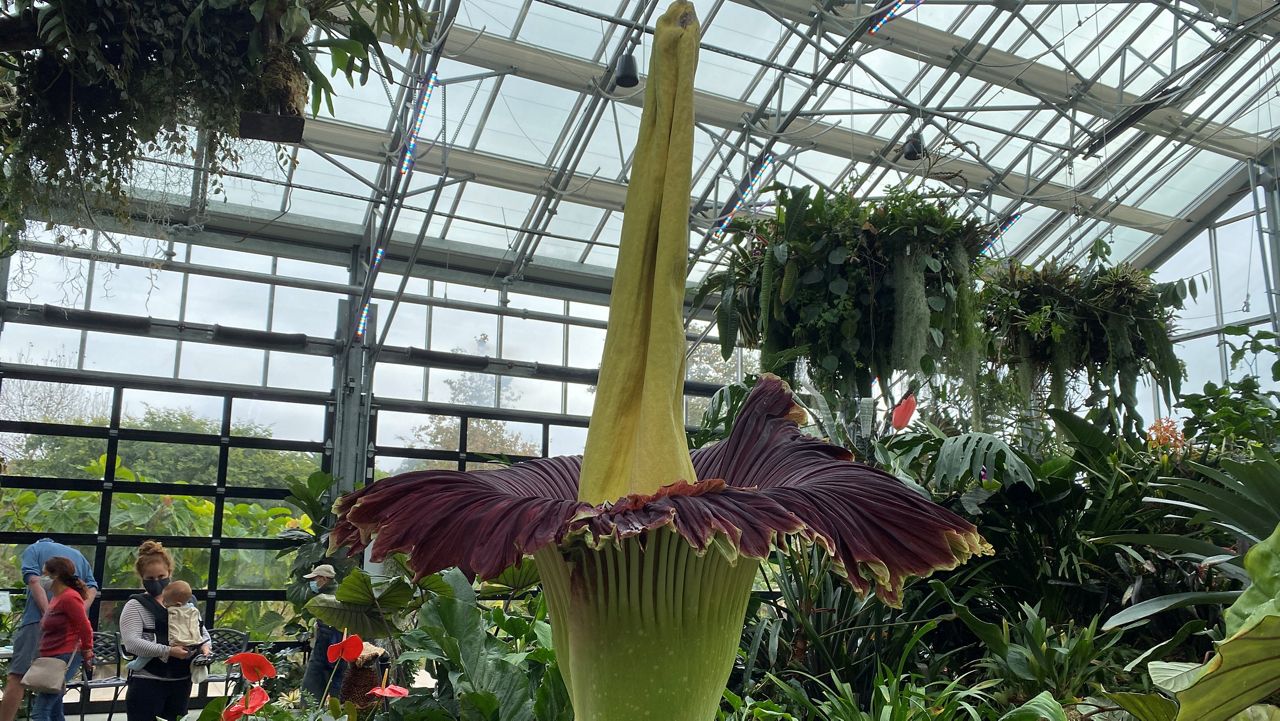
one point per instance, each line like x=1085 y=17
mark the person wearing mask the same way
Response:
x=320 y=674
x=65 y=632
x=26 y=641
x=162 y=688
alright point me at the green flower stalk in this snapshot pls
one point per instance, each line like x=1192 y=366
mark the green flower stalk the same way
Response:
x=646 y=568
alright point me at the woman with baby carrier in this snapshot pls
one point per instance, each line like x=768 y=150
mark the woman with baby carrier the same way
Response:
x=162 y=687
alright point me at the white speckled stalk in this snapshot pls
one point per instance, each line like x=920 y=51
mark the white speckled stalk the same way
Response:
x=647 y=630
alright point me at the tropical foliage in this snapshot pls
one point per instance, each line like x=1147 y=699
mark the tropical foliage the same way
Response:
x=91 y=89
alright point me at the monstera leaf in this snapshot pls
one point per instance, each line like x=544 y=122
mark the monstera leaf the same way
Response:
x=1246 y=668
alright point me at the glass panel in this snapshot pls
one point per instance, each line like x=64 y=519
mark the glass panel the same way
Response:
x=461 y=331
x=225 y=364
x=303 y=372
x=136 y=291
x=472 y=389
x=567 y=440
x=1202 y=361
x=533 y=340
x=275 y=419
x=161 y=515
x=391 y=465
x=136 y=355
x=1192 y=261
x=236 y=303
x=54 y=511
x=532 y=395
x=1242 y=270
x=503 y=438
x=170 y=462
x=54 y=456
x=262 y=620
x=41 y=401
x=154 y=410
x=56 y=280
x=586 y=347
x=418 y=431
x=190 y=565
x=296 y=310
x=399 y=381
x=254 y=569
x=36 y=345
x=258 y=468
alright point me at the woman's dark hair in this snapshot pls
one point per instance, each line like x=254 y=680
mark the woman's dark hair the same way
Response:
x=62 y=569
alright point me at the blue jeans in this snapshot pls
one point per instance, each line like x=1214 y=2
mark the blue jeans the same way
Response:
x=48 y=706
x=316 y=679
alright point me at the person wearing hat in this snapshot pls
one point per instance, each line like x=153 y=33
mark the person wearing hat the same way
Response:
x=321 y=674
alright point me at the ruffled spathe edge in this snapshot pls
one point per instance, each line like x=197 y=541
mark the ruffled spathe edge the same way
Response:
x=768 y=479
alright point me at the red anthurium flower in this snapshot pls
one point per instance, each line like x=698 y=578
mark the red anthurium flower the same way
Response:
x=253 y=666
x=389 y=691
x=903 y=412
x=248 y=704
x=348 y=649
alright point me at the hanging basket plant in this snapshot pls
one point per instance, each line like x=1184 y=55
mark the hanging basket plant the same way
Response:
x=1057 y=325
x=859 y=290
x=92 y=88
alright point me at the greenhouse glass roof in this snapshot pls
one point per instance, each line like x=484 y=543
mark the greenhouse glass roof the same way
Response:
x=1132 y=121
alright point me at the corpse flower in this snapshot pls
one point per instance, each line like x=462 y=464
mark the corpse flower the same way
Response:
x=646 y=552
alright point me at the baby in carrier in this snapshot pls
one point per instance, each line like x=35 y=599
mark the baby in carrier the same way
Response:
x=185 y=625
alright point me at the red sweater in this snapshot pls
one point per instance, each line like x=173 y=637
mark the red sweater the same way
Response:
x=65 y=626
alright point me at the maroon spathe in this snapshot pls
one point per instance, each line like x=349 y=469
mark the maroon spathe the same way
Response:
x=767 y=478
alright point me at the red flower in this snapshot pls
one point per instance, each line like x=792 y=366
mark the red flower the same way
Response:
x=254 y=666
x=903 y=411
x=248 y=704
x=348 y=649
x=389 y=691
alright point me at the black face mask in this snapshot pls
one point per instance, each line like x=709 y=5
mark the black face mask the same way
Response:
x=155 y=585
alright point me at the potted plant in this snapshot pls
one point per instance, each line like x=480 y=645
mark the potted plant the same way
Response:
x=92 y=88
x=1101 y=325
x=860 y=290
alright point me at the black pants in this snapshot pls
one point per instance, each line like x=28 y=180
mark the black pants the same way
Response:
x=147 y=699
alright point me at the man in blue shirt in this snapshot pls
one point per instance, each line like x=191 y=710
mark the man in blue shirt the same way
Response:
x=26 y=642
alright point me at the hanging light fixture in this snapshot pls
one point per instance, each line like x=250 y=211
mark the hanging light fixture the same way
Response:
x=627 y=75
x=913 y=147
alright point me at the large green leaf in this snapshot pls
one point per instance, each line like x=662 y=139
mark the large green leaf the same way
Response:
x=1245 y=670
x=1161 y=649
x=364 y=621
x=990 y=634
x=1261 y=712
x=1173 y=676
x=1146 y=706
x=1262 y=563
x=1150 y=607
x=966 y=455
x=482 y=673
x=1041 y=708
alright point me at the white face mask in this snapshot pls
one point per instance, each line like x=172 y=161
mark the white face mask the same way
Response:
x=46 y=583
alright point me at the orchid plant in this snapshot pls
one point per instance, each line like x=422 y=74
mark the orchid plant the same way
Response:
x=646 y=552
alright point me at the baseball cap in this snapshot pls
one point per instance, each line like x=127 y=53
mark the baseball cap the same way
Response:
x=323 y=569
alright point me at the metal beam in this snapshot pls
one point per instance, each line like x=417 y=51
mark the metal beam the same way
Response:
x=932 y=46
x=572 y=73
x=1235 y=11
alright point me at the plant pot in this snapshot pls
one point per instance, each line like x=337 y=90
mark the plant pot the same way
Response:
x=271 y=127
